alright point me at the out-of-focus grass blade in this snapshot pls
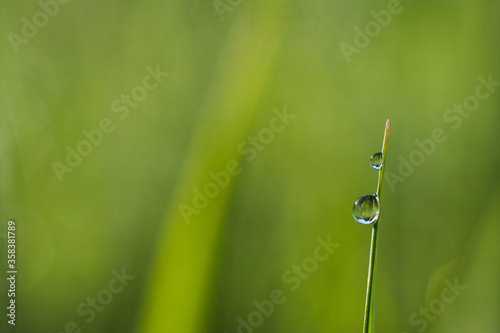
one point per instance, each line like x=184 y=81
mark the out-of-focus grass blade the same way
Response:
x=183 y=271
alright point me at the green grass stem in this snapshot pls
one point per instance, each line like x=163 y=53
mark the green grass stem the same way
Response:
x=369 y=321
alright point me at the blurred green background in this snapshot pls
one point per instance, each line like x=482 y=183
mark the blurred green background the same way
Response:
x=233 y=66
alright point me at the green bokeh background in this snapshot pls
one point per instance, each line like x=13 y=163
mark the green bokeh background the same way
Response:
x=119 y=208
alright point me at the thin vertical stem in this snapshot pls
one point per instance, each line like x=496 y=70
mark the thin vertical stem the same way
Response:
x=369 y=320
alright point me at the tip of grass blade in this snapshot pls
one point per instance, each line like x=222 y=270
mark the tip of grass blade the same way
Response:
x=385 y=135
x=384 y=151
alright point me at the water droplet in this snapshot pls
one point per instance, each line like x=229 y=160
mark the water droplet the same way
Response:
x=376 y=160
x=366 y=209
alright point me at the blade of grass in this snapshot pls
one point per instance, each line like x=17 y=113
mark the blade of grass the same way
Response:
x=369 y=321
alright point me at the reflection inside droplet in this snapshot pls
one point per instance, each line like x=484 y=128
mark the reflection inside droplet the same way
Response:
x=366 y=209
x=376 y=160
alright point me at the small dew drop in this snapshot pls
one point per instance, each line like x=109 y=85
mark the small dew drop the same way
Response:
x=366 y=209
x=376 y=160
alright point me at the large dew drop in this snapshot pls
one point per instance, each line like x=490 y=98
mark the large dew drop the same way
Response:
x=366 y=209
x=376 y=160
